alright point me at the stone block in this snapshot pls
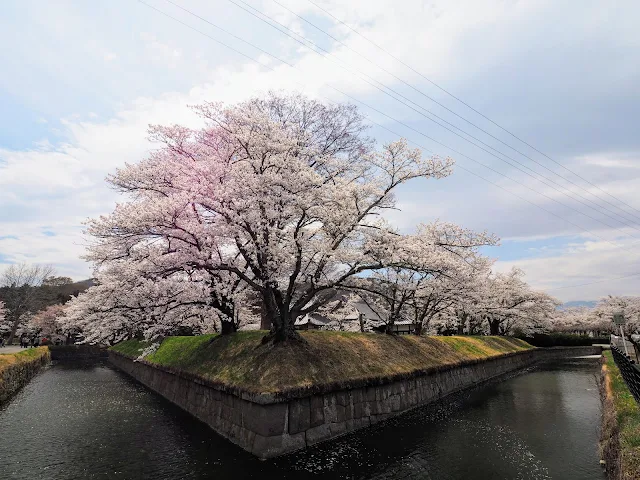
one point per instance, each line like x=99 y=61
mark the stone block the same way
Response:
x=343 y=398
x=236 y=414
x=357 y=396
x=316 y=406
x=370 y=394
x=374 y=408
x=223 y=426
x=318 y=434
x=330 y=408
x=267 y=447
x=265 y=420
x=299 y=415
x=246 y=438
x=379 y=418
x=383 y=392
x=191 y=395
x=395 y=403
x=215 y=394
x=341 y=415
x=227 y=399
x=358 y=410
x=348 y=412
x=356 y=423
x=397 y=388
x=338 y=428
x=235 y=432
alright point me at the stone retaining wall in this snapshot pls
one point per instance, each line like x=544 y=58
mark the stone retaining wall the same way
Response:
x=15 y=376
x=77 y=352
x=268 y=427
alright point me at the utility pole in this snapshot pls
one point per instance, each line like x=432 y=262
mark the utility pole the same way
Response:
x=618 y=319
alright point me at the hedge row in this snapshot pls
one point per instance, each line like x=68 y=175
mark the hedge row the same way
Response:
x=562 y=340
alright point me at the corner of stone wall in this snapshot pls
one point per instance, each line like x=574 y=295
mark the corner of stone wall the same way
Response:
x=271 y=428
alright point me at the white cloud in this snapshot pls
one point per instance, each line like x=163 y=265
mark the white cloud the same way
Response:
x=109 y=56
x=160 y=52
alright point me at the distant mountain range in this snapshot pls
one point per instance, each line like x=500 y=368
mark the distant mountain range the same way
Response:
x=579 y=303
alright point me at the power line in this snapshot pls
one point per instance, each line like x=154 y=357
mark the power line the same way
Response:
x=593 y=283
x=391 y=118
x=473 y=109
x=384 y=90
x=635 y=219
x=373 y=108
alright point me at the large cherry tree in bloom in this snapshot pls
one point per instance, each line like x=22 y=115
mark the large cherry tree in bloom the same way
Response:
x=282 y=193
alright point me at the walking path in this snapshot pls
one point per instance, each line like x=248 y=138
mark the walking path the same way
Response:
x=10 y=349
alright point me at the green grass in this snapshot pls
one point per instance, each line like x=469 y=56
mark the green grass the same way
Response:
x=326 y=359
x=627 y=414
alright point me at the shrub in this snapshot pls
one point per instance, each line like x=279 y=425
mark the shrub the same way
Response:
x=562 y=340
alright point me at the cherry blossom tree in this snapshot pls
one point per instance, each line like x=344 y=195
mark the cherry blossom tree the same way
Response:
x=47 y=322
x=629 y=306
x=575 y=320
x=443 y=260
x=131 y=300
x=4 y=325
x=510 y=304
x=599 y=319
x=446 y=297
x=282 y=193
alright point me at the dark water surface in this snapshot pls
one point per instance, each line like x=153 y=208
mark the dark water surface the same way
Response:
x=92 y=422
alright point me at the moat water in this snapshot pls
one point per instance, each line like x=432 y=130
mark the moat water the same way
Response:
x=93 y=422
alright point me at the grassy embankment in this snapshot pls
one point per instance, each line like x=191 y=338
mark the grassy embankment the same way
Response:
x=17 y=368
x=620 y=439
x=24 y=356
x=326 y=360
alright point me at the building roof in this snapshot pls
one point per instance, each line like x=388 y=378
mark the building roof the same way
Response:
x=364 y=309
x=313 y=318
x=403 y=322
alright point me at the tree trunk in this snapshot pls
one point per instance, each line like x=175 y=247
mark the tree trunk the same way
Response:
x=281 y=320
x=282 y=331
x=418 y=329
x=389 y=328
x=12 y=333
x=227 y=327
x=494 y=327
x=265 y=320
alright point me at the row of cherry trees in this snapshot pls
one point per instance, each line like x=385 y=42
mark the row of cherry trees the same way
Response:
x=277 y=203
x=472 y=301
x=598 y=320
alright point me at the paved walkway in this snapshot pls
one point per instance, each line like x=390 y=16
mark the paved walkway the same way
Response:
x=10 y=349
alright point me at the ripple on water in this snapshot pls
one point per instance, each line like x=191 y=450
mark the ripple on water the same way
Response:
x=94 y=422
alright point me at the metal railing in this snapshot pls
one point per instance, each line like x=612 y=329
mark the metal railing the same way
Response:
x=630 y=371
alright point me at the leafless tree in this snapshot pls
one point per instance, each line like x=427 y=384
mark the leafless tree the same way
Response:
x=19 y=287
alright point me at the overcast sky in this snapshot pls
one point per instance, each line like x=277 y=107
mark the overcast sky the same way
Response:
x=82 y=80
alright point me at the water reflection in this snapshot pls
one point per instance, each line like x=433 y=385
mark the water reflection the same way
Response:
x=91 y=422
